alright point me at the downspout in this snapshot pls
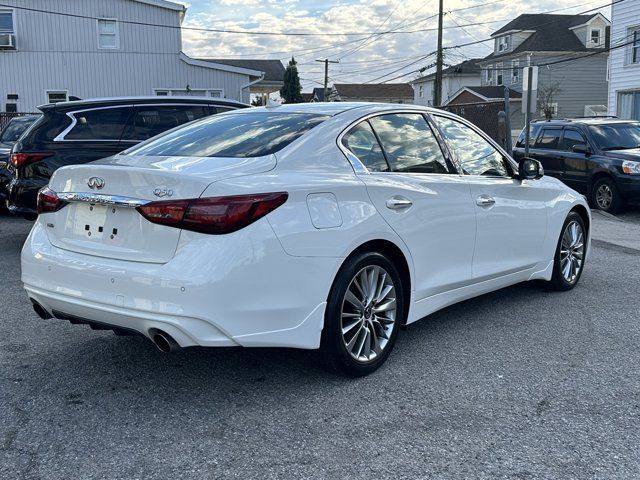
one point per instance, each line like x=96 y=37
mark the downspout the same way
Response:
x=248 y=85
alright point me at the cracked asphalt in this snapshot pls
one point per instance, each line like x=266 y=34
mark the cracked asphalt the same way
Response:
x=521 y=383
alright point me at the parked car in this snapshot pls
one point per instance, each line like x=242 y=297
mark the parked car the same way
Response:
x=309 y=226
x=8 y=136
x=599 y=157
x=72 y=133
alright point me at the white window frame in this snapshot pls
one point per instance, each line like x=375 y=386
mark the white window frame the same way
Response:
x=56 y=91
x=515 y=67
x=421 y=91
x=12 y=12
x=633 y=34
x=499 y=74
x=503 y=43
x=116 y=35
x=490 y=74
x=590 y=42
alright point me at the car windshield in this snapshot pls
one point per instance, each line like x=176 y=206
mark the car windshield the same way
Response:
x=252 y=134
x=617 y=136
x=14 y=129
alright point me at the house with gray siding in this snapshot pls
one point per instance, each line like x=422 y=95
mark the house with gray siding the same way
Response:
x=624 y=66
x=572 y=52
x=454 y=77
x=56 y=50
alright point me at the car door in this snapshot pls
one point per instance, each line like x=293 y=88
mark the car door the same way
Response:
x=420 y=196
x=575 y=164
x=547 y=151
x=511 y=214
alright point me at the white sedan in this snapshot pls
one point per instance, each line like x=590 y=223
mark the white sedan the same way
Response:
x=308 y=226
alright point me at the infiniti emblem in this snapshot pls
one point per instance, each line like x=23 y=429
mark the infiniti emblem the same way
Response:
x=96 y=183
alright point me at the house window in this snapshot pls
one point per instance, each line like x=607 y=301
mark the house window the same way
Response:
x=215 y=93
x=503 y=43
x=163 y=93
x=499 y=74
x=595 y=37
x=634 y=47
x=629 y=105
x=515 y=71
x=56 y=96
x=12 y=108
x=6 y=21
x=489 y=74
x=108 y=35
x=421 y=91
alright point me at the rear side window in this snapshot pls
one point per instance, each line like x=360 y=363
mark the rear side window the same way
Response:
x=571 y=138
x=409 y=144
x=549 y=139
x=362 y=142
x=99 y=124
x=149 y=121
x=232 y=135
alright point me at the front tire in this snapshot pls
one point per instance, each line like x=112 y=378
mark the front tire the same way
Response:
x=364 y=312
x=605 y=196
x=570 y=253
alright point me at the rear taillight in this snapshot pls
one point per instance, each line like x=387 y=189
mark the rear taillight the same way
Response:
x=23 y=159
x=48 y=201
x=216 y=215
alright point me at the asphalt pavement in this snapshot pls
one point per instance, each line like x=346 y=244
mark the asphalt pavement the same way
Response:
x=520 y=384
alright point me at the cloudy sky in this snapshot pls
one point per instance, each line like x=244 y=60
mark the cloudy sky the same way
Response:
x=349 y=31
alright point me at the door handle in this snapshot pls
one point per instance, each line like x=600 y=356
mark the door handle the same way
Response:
x=398 y=203
x=485 y=201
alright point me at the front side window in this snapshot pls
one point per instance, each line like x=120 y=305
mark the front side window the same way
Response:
x=571 y=138
x=549 y=139
x=152 y=120
x=362 y=142
x=108 y=37
x=475 y=154
x=100 y=124
x=409 y=144
x=237 y=135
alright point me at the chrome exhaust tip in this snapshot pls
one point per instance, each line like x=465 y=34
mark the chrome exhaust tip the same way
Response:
x=40 y=310
x=163 y=341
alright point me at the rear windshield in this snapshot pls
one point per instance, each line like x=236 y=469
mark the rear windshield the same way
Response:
x=617 y=136
x=15 y=128
x=232 y=135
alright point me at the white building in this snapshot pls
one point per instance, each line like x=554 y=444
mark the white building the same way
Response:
x=624 y=67
x=56 y=49
x=465 y=74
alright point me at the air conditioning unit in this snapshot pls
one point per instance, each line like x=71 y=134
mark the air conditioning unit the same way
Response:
x=7 y=41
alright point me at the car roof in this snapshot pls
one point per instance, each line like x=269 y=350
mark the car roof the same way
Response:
x=584 y=121
x=333 y=108
x=115 y=101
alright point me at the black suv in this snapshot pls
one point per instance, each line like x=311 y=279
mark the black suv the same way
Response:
x=599 y=157
x=76 y=132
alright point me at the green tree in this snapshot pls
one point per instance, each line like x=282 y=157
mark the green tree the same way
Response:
x=290 y=91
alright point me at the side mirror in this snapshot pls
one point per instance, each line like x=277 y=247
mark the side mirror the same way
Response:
x=530 y=169
x=581 y=148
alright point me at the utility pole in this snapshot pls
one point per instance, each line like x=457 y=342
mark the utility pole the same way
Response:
x=437 y=96
x=326 y=62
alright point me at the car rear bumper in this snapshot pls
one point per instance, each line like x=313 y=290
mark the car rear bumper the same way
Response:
x=237 y=289
x=22 y=195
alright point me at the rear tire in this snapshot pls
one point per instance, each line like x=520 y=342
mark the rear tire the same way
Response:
x=570 y=254
x=605 y=196
x=364 y=312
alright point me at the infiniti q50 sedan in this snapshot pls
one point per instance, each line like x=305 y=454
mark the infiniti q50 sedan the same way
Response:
x=315 y=226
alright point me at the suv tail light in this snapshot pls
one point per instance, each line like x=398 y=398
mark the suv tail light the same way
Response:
x=215 y=215
x=48 y=201
x=23 y=159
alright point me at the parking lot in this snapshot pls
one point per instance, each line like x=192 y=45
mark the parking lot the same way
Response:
x=521 y=383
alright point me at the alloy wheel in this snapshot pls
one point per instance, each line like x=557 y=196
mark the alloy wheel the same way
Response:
x=368 y=314
x=604 y=197
x=572 y=251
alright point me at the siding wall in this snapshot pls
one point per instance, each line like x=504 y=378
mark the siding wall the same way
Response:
x=61 y=53
x=623 y=76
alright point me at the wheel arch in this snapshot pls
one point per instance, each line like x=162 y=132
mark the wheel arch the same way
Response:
x=584 y=214
x=397 y=256
x=598 y=176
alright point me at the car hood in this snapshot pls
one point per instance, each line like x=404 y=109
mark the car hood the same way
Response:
x=629 y=154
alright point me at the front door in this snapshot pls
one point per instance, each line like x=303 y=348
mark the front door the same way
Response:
x=575 y=163
x=511 y=214
x=419 y=195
